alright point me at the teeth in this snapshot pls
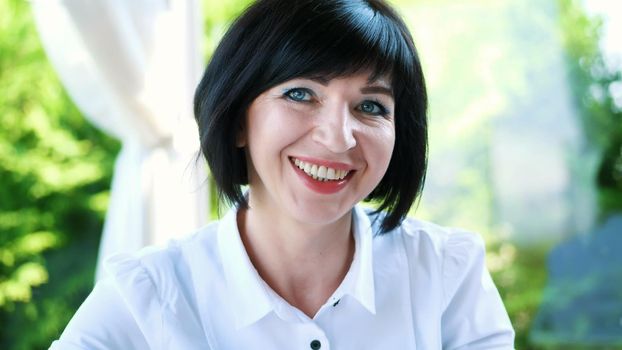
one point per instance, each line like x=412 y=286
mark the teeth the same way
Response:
x=313 y=171
x=330 y=173
x=321 y=172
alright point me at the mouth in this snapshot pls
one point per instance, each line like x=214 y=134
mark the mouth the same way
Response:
x=322 y=178
x=319 y=172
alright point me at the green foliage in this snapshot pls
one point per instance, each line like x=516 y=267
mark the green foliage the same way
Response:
x=487 y=64
x=217 y=18
x=520 y=272
x=520 y=275
x=591 y=82
x=55 y=172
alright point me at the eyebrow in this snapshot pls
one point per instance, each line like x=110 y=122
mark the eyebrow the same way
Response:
x=372 y=89
x=319 y=80
x=377 y=90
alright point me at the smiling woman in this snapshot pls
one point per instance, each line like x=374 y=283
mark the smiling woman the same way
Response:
x=316 y=105
x=277 y=41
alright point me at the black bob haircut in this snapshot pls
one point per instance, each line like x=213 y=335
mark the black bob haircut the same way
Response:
x=277 y=40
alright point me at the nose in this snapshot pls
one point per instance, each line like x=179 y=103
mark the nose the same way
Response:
x=335 y=129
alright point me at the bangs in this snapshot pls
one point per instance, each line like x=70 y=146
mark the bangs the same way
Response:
x=345 y=38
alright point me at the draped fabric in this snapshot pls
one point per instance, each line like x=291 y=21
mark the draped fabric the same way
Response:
x=132 y=67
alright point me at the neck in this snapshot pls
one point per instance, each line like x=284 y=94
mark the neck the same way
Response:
x=304 y=263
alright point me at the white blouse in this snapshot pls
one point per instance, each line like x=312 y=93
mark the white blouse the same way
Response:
x=419 y=286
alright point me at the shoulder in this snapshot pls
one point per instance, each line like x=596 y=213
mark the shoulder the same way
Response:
x=443 y=242
x=445 y=239
x=459 y=252
x=160 y=271
x=454 y=255
x=140 y=301
x=473 y=315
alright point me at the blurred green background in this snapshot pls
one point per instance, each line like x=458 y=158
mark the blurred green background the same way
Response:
x=55 y=168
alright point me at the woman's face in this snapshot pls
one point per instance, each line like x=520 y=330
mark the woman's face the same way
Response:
x=316 y=148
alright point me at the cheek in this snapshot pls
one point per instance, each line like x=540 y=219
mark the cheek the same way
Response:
x=382 y=144
x=377 y=144
x=271 y=128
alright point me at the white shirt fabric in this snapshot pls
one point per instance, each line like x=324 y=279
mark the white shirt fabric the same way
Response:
x=419 y=286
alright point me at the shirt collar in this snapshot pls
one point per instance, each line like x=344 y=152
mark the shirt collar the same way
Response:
x=250 y=299
x=362 y=287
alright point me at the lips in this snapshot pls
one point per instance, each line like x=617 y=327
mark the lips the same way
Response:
x=322 y=176
x=320 y=172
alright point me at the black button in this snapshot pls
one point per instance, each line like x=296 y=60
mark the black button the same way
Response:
x=315 y=345
x=337 y=302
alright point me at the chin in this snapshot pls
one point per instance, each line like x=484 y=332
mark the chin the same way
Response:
x=318 y=214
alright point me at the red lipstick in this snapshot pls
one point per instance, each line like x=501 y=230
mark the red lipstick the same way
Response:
x=323 y=187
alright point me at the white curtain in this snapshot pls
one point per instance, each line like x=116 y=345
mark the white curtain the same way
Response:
x=131 y=66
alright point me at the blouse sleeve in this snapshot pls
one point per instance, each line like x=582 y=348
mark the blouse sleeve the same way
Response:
x=474 y=316
x=122 y=312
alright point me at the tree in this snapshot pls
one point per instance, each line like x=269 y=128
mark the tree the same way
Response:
x=592 y=83
x=55 y=172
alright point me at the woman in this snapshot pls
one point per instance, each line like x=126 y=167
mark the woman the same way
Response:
x=316 y=105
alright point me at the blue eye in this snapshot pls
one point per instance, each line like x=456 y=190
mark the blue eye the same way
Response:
x=298 y=94
x=373 y=108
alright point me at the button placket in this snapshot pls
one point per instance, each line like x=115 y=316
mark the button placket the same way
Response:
x=315 y=338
